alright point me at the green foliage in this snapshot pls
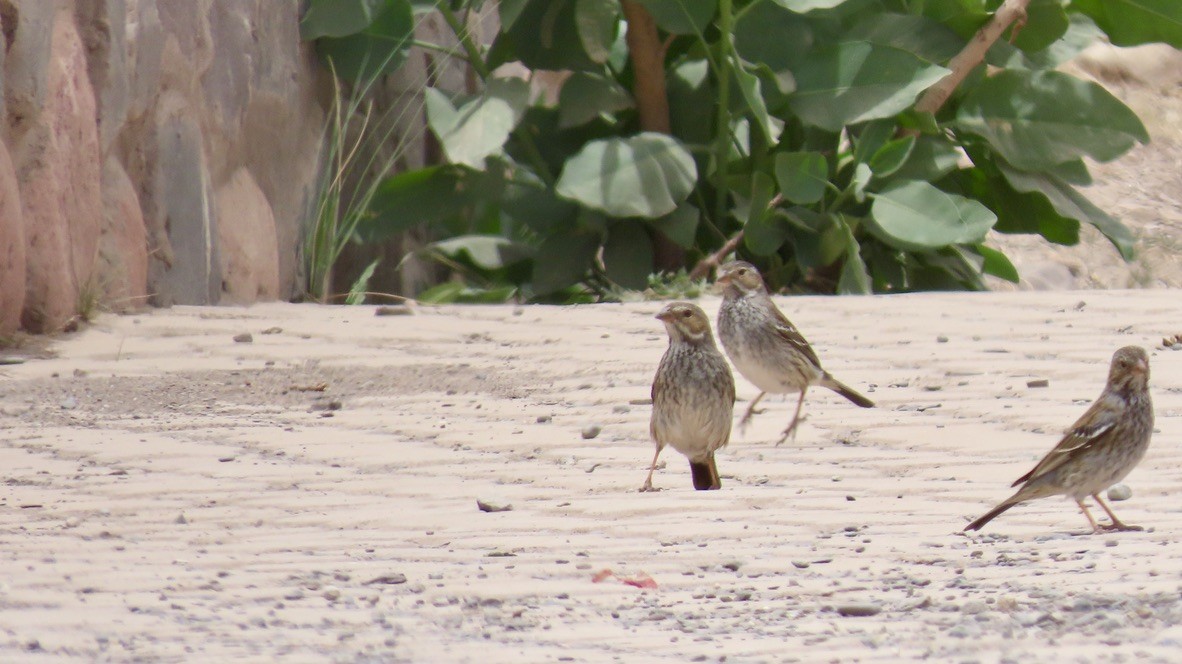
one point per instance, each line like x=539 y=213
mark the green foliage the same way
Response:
x=793 y=121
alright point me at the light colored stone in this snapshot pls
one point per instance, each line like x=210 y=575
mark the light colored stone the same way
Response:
x=12 y=248
x=248 y=252
x=123 y=245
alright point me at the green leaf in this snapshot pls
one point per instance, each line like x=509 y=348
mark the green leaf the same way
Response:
x=380 y=48
x=997 y=264
x=801 y=176
x=536 y=206
x=964 y=17
x=453 y=291
x=548 y=34
x=1133 y=22
x=920 y=35
x=586 y=96
x=749 y=86
x=510 y=11
x=858 y=81
x=859 y=181
x=914 y=216
x=645 y=175
x=1046 y=22
x=692 y=98
x=338 y=18
x=872 y=136
x=773 y=36
x=680 y=225
x=890 y=157
x=1018 y=212
x=478 y=128
x=1036 y=120
x=596 y=22
x=855 y=278
x=805 y=6
x=931 y=159
x=1073 y=205
x=763 y=233
x=486 y=252
x=422 y=196
x=359 y=288
x=823 y=243
x=681 y=17
x=628 y=255
x=563 y=259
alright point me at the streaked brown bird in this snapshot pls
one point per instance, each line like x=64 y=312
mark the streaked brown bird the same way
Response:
x=766 y=347
x=693 y=395
x=1102 y=446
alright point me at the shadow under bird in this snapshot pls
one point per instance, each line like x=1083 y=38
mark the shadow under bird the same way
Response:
x=693 y=395
x=1103 y=445
x=766 y=347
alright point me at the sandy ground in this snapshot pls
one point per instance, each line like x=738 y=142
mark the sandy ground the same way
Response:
x=173 y=495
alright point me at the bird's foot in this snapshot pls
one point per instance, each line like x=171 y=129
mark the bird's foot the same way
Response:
x=1120 y=526
x=790 y=432
x=648 y=488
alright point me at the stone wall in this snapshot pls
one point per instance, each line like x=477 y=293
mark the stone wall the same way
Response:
x=152 y=151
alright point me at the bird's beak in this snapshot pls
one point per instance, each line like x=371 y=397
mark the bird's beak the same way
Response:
x=724 y=278
x=1141 y=367
x=663 y=315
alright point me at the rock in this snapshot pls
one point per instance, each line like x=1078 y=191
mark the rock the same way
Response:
x=1040 y=382
x=12 y=247
x=1118 y=492
x=488 y=506
x=543 y=419
x=123 y=242
x=391 y=579
x=244 y=338
x=394 y=310
x=591 y=431
x=858 y=609
x=246 y=241
x=331 y=593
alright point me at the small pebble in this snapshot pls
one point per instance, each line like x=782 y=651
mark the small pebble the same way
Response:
x=941 y=339
x=331 y=593
x=244 y=338
x=394 y=310
x=543 y=419
x=487 y=506
x=69 y=403
x=800 y=564
x=1119 y=492
x=858 y=610
x=591 y=431
x=181 y=519
x=620 y=409
x=1041 y=382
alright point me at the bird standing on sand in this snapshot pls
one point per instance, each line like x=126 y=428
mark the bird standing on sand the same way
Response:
x=1098 y=450
x=693 y=395
x=766 y=347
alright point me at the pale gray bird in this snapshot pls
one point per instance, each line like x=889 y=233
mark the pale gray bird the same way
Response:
x=693 y=395
x=766 y=347
x=1103 y=445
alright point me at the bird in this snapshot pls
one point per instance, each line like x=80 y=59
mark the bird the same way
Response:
x=766 y=347
x=693 y=395
x=1103 y=445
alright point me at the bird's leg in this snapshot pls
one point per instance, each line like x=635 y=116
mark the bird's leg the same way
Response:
x=791 y=430
x=750 y=411
x=1084 y=508
x=648 y=481
x=1116 y=524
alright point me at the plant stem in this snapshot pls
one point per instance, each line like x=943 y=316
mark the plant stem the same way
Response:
x=723 y=122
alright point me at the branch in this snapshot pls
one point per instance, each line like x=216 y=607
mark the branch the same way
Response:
x=704 y=266
x=972 y=54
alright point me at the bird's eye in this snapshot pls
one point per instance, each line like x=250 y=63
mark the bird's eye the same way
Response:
x=687 y=313
x=742 y=271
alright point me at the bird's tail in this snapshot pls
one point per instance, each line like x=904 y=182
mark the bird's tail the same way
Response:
x=705 y=474
x=847 y=392
x=989 y=516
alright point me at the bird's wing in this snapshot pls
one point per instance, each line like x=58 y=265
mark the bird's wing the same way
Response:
x=1086 y=432
x=788 y=332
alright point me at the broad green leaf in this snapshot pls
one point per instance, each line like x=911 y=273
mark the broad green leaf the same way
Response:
x=1073 y=205
x=536 y=206
x=1017 y=212
x=997 y=264
x=563 y=259
x=586 y=96
x=487 y=252
x=380 y=48
x=891 y=156
x=822 y=244
x=645 y=175
x=753 y=99
x=478 y=128
x=596 y=22
x=1036 y=120
x=920 y=35
x=1046 y=22
x=763 y=233
x=964 y=17
x=1133 y=22
x=805 y=6
x=931 y=159
x=681 y=17
x=914 y=216
x=692 y=100
x=858 y=81
x=855 y=278
x=801 y=176
x=451 y=292
x=338 y=18
x=628 y=255
x=773 y=36
x=859 y=181
x=360 y=286
x=510 y=10
x=680 y=225
x=423 y=196
x=547 y=34
x=872 y=136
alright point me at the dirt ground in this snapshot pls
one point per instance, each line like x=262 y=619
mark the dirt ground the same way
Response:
x=174 y=495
